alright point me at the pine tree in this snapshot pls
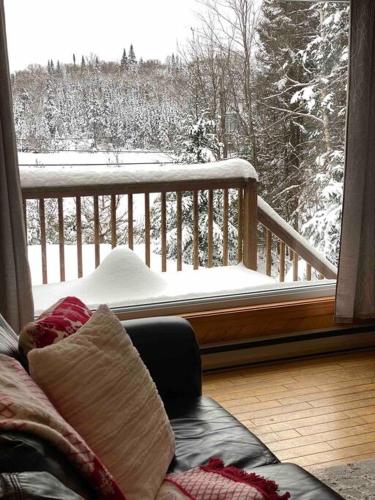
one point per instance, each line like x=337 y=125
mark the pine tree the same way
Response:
x=201 y=145
x=132 y=59
x=124 y=61
x=74 y=60
x=83 y=63
x=50 y=109
x=328 y=53
x=285 y=28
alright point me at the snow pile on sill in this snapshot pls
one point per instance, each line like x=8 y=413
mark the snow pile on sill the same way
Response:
x=40 y=176
x=123 y=279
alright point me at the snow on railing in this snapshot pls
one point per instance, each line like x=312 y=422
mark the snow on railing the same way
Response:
x=148 y=176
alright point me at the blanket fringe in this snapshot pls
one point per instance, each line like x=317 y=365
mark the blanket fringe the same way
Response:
x=265 y=486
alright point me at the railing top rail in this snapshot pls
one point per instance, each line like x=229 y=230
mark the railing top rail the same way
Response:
x=49 y=182
x=278 y=226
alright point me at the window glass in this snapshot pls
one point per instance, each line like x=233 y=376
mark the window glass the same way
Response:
x=114 y=94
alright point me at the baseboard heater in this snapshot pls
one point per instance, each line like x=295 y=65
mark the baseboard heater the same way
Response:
x=293 y=346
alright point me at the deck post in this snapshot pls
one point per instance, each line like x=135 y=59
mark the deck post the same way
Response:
x=250 y=220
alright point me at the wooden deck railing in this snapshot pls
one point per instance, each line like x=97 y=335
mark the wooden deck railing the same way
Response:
x=234 y=181
x=283 y=234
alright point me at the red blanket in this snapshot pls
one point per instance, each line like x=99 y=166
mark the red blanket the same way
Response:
x=214 y=481
x=25 y=407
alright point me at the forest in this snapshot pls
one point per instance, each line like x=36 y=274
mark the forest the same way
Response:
x=262 y=82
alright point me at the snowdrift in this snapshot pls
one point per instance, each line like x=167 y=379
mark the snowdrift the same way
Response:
x=123 y=279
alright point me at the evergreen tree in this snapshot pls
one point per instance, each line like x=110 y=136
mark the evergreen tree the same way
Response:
x=202 y=144
x=74 y=60
x=285 y=28
x=51 y=110
x=328 y=52
x=132 y=59
x=124 y=61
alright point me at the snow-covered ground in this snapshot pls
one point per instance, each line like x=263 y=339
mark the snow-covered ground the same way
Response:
x=123 y=279
x=93 y=158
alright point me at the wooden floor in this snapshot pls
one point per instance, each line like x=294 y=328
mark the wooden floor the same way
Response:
x=315 y=413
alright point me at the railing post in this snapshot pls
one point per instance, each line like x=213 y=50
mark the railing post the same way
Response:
x=250 y=221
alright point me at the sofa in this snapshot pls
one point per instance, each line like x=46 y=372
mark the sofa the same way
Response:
x=32 y=468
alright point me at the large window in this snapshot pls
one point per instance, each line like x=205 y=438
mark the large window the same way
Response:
x=111 y=114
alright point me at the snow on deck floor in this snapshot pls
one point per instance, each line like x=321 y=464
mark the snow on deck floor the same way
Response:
x=123 y=279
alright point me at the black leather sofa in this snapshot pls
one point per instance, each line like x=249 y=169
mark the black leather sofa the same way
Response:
x=32 y=468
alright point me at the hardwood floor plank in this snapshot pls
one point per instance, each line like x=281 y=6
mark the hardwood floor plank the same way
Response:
x=335 y=438
x=329 y=456
x=300 y=451
x=354 y=440
x=245 y=401
x=330 y=426
x=296 y=424
x=316 y=397
x=368 y=404
x=340 y=461
x=265 y=409
x=258 y=409
x=357 y=396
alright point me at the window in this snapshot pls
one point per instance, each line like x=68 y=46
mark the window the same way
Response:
x=108 y=136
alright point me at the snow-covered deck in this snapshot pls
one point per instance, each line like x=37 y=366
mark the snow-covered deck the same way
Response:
x=122 y=279
x=134 y=190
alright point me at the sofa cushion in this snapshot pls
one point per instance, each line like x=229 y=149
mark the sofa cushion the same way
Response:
x=24 y=452
x=34 y=486
x=300 y=484
x=203 y=429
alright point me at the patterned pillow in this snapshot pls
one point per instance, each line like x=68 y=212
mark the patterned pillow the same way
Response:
x=62 y=319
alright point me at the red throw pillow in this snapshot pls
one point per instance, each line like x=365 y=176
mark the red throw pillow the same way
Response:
x=62 y=319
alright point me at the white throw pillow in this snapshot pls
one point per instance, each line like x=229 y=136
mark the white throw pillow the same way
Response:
x=98 y=382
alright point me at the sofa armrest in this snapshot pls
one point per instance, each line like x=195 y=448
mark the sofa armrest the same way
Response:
x=168 y=347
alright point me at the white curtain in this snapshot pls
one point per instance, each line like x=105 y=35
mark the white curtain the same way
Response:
x=16 y=304
x=355 y=295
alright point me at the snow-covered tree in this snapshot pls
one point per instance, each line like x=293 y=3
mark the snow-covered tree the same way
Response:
x=124 y=61
x=202 y=144
x=328 y=54
x=132 y=59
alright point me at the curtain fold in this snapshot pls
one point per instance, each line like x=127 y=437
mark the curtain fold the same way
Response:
x=16 y=304
x=355 y=294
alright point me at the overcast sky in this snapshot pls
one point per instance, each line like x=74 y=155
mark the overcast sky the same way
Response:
x=39 y=30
